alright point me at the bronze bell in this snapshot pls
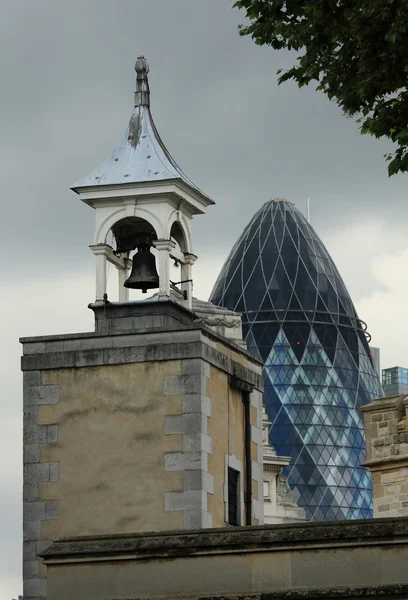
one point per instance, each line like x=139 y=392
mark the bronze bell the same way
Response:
x=144 y=275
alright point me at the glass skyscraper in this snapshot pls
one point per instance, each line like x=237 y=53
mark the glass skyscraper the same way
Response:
x=299 y=318
x=395 y=381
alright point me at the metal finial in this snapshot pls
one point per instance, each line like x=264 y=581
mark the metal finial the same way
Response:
x=142 y=94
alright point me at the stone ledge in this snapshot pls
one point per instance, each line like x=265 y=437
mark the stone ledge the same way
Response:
x=232 y=540
x=394 y=591
x=380 y=404
x=144 y=353
x=385 y=592
x=52 y=343
x=385 y=463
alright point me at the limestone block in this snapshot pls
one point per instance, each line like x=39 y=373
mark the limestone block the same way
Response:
x=177 y=461
x=194 y=423
x=34 y=434
x=197 y=519
x=256 y=435
x=31 y=530
x=258 y=510
x=54 y=472
x=31 y=569
x=173 y=424
x=36 y=473
x=197 y=403
x=51 y=433
x=30 y=493
x=384 y=507
x=35 y=588
x=142 y=581
x=31 y=378
x=173 y=385
x=198 y=480
x=257 y=471
x=29 y=550
x=31 y=453
x=191 y=500
x=51 y=509
x=48 y=394
x=33 y=511
x=195 y=366
x=197 y=441
x=355 y=568
x=184 y=384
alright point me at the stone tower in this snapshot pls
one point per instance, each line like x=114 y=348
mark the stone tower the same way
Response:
x=154 y=420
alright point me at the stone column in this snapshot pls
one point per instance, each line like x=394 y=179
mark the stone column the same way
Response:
x=122 y=276
x=164 y=247
x=99 y=251
x=186 y=277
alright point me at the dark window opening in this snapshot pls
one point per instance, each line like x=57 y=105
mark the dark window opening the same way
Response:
x=233 y=496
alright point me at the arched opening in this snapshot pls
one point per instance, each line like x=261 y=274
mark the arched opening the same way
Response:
x=129 y=232
x=177 y=235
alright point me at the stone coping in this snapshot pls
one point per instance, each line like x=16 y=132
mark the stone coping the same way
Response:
x=266 y=538
x=385 y=592
x=384 y=403
x=394 y=591
x=105 y=350
x=89 y=335
x=386 y=463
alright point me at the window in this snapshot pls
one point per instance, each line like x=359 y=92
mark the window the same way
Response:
x=233 y=496
x=266 y=490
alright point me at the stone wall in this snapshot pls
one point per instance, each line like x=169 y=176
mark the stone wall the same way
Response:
x=386 y=429
x=348 y=559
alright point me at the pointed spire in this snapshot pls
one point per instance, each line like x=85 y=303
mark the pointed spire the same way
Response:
x=142 y=94
x=141 y=155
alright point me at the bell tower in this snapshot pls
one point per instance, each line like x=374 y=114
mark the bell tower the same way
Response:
x=144 y=199
x=151 y=422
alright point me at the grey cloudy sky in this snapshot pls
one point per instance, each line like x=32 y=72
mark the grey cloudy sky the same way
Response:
x=67 y=84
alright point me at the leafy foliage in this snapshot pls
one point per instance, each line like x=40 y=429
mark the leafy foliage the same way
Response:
x=356 y=51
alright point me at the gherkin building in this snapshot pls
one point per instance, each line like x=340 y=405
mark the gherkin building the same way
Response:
x=299 y=319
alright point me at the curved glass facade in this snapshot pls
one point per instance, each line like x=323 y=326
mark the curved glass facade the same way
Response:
x=299 y=318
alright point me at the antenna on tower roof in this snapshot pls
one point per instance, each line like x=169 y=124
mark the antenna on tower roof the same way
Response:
x=308 y=209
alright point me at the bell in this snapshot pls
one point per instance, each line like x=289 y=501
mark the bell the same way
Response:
x=144 y=275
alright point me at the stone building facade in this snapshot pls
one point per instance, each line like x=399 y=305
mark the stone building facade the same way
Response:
x=135 y=430
x=386 y=429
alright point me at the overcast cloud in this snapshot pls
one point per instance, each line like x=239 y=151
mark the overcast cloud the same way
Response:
x=67 y=84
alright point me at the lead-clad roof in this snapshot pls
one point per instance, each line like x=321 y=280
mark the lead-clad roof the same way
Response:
x=141 y=155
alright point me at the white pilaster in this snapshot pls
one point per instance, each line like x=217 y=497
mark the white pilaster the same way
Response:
x=123 y=291
x=99 y=251
x=164 y=247
x=187 y=278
